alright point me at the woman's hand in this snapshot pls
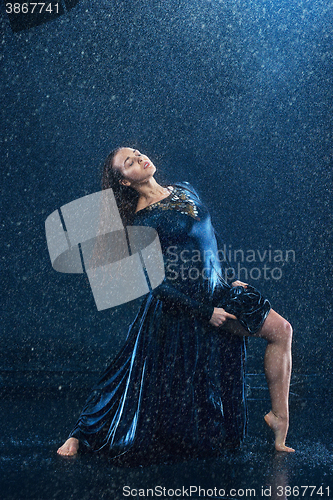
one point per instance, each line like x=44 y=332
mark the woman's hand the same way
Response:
x=239 y=283
x=220 y=316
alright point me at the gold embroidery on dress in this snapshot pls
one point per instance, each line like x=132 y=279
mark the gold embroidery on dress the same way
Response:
x=178 y=200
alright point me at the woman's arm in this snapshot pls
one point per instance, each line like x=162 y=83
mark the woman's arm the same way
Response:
x=178 y=302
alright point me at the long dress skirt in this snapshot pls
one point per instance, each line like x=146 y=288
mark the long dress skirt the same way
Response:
x=177 y=387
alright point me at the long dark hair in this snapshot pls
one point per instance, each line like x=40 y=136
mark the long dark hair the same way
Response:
x=126 y=197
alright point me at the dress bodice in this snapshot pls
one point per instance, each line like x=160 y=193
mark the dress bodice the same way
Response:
x=187 y=240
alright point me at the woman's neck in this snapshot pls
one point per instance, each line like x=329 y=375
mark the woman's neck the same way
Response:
x=149 y=194
x=151 y=191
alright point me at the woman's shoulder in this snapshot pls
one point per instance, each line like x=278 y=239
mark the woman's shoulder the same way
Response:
x=187 y=187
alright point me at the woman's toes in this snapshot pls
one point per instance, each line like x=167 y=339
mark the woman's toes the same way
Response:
x=69 y=448
x=283 y=447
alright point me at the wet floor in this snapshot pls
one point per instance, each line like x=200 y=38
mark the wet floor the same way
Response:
x=33 y=426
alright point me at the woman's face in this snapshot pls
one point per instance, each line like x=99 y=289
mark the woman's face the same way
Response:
x=134 y=167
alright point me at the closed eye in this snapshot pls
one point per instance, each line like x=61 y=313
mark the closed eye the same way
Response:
x=137 y=153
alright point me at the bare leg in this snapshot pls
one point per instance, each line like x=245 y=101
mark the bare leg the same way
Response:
x=278 y=333
x=69 y=448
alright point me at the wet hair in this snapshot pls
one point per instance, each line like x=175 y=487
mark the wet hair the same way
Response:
x=126 y=197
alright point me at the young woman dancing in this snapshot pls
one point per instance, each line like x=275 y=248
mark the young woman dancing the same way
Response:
x=177 y=386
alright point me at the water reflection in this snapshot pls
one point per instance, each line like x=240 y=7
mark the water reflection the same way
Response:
x=277 y=478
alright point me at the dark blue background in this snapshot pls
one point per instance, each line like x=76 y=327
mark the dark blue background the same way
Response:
x=233 y=96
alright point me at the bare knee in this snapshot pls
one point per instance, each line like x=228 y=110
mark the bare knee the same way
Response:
x=285 y=333
x=288 y=330
x=277 y=329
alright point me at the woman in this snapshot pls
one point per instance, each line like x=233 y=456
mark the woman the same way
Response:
x=177 y=385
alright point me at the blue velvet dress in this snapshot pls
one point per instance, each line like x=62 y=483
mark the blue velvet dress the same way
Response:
x=176 y=389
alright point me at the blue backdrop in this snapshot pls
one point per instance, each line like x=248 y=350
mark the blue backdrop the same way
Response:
x=232 y=96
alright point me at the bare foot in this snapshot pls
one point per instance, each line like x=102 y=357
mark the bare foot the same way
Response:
x=69 y=448
x=279 y=426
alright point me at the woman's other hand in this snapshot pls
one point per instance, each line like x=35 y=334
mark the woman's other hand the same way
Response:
x=239 y=283
x=220 y=316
